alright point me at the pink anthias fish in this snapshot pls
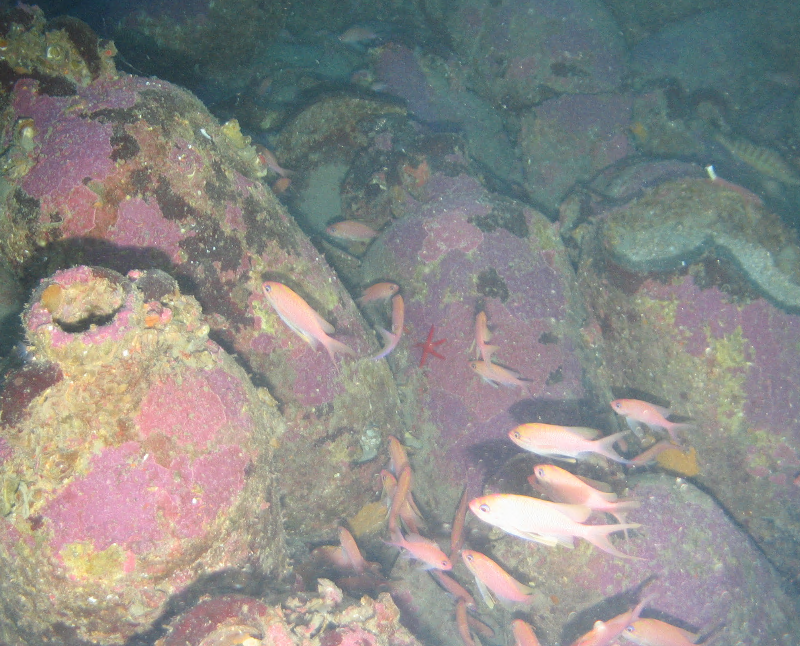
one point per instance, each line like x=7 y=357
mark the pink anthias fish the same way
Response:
x=523 y=634
x=562 y=486
x=569 y=443
x=352 y=231
x=494 y=374
x=605 y=633
x=655 y=417
x=397 y=491
x=545 y=522
x=493 y=581
x=652 y=632
x=268 y=159
x=423 y=549
x=455 y=588
x=393 y=338
x=378 y=291
x=482 y=338
x=353 y=553
x=303 y=320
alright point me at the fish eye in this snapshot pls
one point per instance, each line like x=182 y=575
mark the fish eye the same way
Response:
x=267 y=287
x=485 y=508
x=445 y=564
x=469 y=557
x=630 y=629
x=516 y=435
x=617 y=405
x=540 y=472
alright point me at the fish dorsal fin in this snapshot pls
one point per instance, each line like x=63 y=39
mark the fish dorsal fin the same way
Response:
x=585 y=432
x=578 y=513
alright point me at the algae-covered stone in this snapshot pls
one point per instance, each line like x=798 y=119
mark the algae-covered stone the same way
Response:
x=140 y=468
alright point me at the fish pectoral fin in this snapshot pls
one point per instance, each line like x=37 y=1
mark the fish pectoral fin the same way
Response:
x=301 y=333
x=634 y=426
x=550 y=541
x=486 y=594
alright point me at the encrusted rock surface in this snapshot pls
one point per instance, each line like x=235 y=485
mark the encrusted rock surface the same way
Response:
x=136 y=463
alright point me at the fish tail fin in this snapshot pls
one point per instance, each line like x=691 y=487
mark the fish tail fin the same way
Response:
x=389 y=341
x=606 y=446
x=622 y=507
x=335 y=347
x=597 y=535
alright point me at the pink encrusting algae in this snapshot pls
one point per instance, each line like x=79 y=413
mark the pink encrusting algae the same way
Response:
x=154 y=477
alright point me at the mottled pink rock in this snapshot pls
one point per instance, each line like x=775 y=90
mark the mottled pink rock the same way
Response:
x=457 y=250
x=145 y=465
x=128 y=173
x=141 y=224
x=700 y=567
x=703 y=341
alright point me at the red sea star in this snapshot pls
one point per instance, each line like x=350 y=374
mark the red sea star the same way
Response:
x=429 y=347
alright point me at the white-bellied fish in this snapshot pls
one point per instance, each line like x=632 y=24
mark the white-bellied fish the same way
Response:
x=545 y=522
x=568 y=443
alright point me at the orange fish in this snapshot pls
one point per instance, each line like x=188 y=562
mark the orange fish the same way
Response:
x=398 y=456
x=482 y=337
x=303 y=320
x=455 y=588
x=545 y=522
x=333 y=556
x=652 y=632
x=423 y=549
x=399 y=497
x=350 y=548
x=652 y=416
x=562 y=486
x=457 y=533
x=568 y=443
x=378 y=291
x=494 y=374
x=268 y=159
x=605 y=633
x=523 y=634
x=494 y=581
x=393 y=338
x=409 y=513
x=352 y=231
x=281 y=185
x=650 y=455
x=462 y=622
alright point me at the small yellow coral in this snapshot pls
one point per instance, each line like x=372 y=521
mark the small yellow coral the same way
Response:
x=234 y=134
x=675 y=460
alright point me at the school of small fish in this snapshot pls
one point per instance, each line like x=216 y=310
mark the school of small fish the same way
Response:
x=557 y=521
